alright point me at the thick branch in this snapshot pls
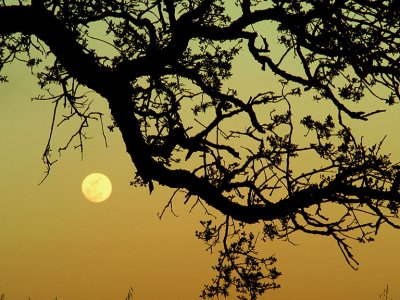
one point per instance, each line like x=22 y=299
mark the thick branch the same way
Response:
x=116 y=88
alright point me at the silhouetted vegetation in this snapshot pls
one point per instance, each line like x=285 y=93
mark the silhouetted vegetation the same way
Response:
x=165 y=68
x=385 y=294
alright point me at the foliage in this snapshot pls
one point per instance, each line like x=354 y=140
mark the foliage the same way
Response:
x=165 y=75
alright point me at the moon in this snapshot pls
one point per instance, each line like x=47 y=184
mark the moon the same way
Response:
x=96 y=187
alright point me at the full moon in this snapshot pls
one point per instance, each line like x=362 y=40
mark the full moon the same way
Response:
x=96 y=187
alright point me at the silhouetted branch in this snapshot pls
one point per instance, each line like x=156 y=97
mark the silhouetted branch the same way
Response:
x=167 y=87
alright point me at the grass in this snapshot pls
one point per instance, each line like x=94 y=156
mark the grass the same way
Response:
x=383 y=296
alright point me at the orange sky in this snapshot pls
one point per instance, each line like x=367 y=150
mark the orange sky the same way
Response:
x=56 y=243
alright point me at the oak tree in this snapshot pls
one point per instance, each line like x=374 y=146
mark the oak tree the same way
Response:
x=165 y=75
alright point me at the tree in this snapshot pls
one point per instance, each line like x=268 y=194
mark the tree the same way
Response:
x=166 y=78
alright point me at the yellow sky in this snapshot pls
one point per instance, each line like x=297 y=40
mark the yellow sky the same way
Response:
x=53 y=242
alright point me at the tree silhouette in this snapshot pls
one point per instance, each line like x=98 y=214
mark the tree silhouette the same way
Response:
x=165 y=76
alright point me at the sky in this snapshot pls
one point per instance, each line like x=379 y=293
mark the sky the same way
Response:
x=55 y=243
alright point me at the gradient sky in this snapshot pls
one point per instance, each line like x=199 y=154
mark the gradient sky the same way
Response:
x=54 y=243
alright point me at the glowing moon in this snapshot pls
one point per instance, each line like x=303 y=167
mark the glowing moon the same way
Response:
x=96 y=187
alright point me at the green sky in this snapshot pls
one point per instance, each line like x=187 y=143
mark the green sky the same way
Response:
x=53 y=242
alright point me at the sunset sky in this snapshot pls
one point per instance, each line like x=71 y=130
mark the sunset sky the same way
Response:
x=55 y=243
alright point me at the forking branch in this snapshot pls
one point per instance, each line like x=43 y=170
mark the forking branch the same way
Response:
x=166 y=81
